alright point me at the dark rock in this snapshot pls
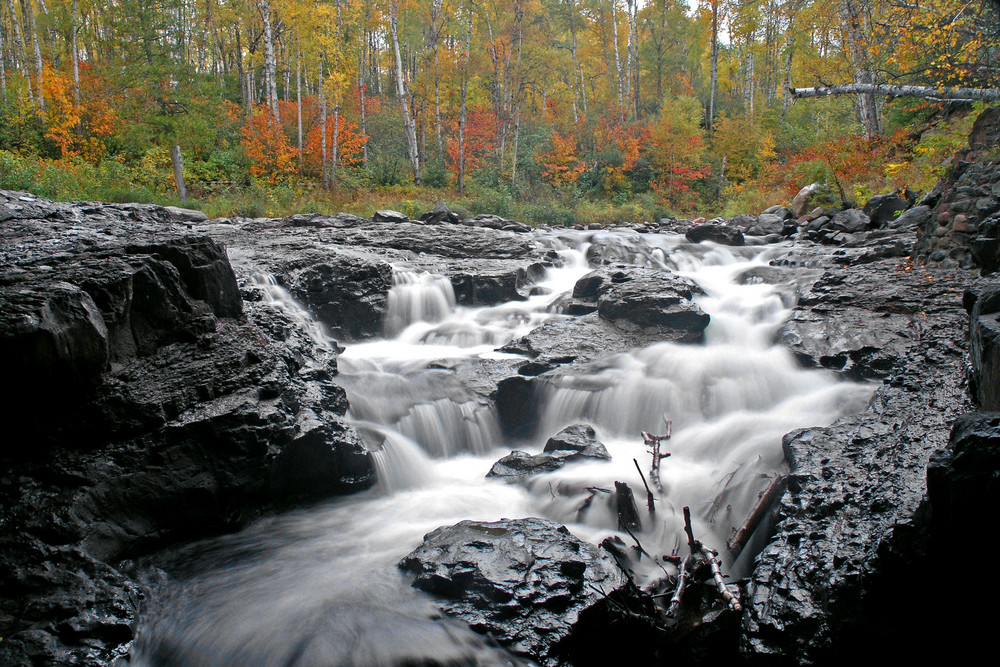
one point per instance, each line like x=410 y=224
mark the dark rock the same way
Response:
x=648 y=298
x=525 y=581
x=982 y=301
x=767 y=223
x=855 y=486
x=883 y=209
x=852 y=220
x=441 y=214
x=389 y=216
x=329 y=460
x=743 y=221
x=780 y=211
x=911 y=219
x=516 y=407
x=519 y=465
x=185 y=215
x=578 y=438
x=715 y=233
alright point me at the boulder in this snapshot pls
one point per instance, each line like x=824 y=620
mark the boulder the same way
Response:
x=388 y=215
x=851 y=220
x=806 y=199
x=780 y=211
x=883 y=209
x=441 y=214
x=580 y=439
x=767 y=223
x=185 y=215
x=527 y=582
x=743 y=221
x=722 y=234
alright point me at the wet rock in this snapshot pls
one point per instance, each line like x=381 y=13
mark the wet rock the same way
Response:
x=743 y=221
x=767 y=223
x=578 y=441
x=578 y=438
x=883 y=209
x=646 y=298
x=185 y=215
x=526 y=582
x=716 y=233
x=780 y=211
x=982 y=301
x=832 y=575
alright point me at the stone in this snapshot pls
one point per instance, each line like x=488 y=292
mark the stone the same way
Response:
x=883 y=209
x=185 y=215
x=526 y=582
x=851 y=220
x=805 y=199
x=440 y=214
x=768 y=223
x=580 y=439
x=721 y=234
x=388 y=215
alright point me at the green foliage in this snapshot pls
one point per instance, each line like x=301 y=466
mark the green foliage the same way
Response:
x=386 y=171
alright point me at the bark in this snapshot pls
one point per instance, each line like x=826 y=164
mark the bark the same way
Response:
x=714 y=84
x=361 y=93
x=403 y=93
x=618 y=62
x=244 y=88
x=30 y=17
x=3 y=64
x=923 y=92
x=465 y=94
x=298 y=104
x=270 y=65
x=867 y=107
x=322 y=127
x=74 y=29
x=435 y=38
x=336 y=139
x=178 y=161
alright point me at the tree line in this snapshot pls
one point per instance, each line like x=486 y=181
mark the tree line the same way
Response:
x=608 y=98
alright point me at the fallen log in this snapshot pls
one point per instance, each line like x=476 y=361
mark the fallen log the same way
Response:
x=628 y=515
x=924 y=92
x=765 y=501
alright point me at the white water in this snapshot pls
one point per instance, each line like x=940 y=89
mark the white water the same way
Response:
x=320 y=585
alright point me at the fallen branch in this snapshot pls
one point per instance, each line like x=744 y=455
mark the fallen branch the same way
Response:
x=924 y=92
x=682 y=578
x=649 y=494
x=711 y=557
x=594 y=490
x=765 y=500
x=654 y=442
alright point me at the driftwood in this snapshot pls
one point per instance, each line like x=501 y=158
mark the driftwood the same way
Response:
x=683 y=574
x=700 y=552
x=628 y=515
x=765 y=501
x=924 y=92
x=594 y=490
x=654 y=442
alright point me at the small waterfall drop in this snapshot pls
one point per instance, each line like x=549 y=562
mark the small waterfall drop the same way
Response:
x=320 y=585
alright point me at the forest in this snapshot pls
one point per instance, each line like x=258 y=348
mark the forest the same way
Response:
x=548 y=111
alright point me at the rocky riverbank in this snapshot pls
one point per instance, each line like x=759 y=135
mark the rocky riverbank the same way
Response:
x=163 y=397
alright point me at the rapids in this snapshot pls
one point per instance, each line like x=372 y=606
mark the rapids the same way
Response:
x=320 y=586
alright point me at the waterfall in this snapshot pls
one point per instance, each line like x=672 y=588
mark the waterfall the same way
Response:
x=322 y=582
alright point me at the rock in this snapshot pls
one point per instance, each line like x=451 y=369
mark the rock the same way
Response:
x=440 y=214
x=185 y=215
x=852 y=220
x=780 y=211
x=743 y=221
x=580 y=439
x=388 y=215
x=883 y=209
x=834 y=568
x=767 y=223
x=911 y=219
x=982 y=301
x=806 y=199
x=716 y=233
x=526 y=582
x=647 y=298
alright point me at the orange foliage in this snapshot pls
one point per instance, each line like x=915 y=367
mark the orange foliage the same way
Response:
x=629 y=140
x=480 y=140
x=268 y=147
x=562 y=165
x=77 y=129
x=350 y=141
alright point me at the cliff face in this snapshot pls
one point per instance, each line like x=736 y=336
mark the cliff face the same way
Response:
x=145 y=406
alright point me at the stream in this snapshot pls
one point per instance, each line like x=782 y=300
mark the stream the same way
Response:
x=320 y=585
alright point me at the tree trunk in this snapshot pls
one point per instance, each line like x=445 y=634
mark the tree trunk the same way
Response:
x=322 y=127
x=923 y=92
x=866 y=104
x=3 y=64
x=30 y=16
x=715 y=66
x=336 y=139
x=403 y=92
x=75 y=55
x=178 y=161
x=435 y=38
x=465 y=94
x=270 y=64
x=298 y=103
x=618 y=62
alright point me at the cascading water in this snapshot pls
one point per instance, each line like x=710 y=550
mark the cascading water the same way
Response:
x=320 y=586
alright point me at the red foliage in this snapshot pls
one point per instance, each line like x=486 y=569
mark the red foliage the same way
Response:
x=480 y=141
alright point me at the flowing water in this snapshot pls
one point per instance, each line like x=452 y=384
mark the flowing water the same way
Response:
x=320 y=586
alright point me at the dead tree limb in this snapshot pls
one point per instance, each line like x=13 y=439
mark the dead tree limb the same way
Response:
x=654 y=442
x=924 y=92
x=711 y=557
x=682 y=578
x=765 y=501
x=649 y=494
